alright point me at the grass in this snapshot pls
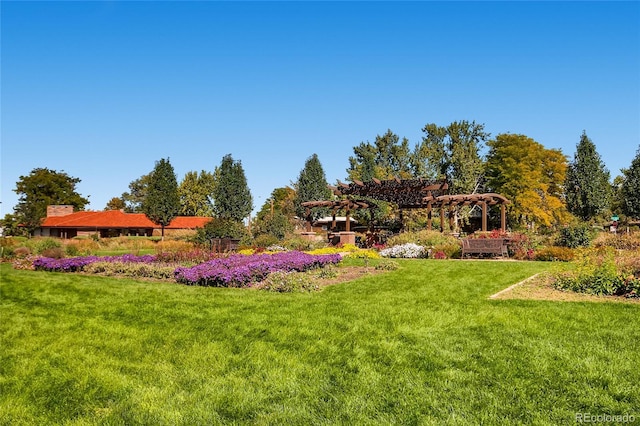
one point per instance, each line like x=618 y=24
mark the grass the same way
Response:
x=419 y=345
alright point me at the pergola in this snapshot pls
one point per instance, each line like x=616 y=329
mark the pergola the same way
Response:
x=409 y=194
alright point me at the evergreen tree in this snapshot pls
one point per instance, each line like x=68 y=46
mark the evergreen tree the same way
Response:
x=41 y=188
x=631 y=188
x=587 y=186
x=161 y=203
x=312 y=186
x=232 y=198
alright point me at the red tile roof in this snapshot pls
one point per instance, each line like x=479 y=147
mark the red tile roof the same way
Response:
x=117 y=219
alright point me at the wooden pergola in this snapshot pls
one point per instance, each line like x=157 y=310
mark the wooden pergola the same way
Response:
x=409 y=194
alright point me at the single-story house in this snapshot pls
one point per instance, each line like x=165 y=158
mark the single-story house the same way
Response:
x=63 y=222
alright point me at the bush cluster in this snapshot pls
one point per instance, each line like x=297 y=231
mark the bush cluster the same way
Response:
x=287 y=282
x=133 y=270
x=575 y=236
x=406 y=250
x=599 y=273
x=555 y=254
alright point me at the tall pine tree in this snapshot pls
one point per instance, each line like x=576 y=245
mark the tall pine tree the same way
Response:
x=587 y=186
x=631 y=189
x=232 y=198
x=161 y=203
x=312 y=186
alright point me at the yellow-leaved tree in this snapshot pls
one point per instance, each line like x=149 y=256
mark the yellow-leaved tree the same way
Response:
x=529 y=175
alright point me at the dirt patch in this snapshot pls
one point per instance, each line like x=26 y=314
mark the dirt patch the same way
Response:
x=540 y=287
x=348 y=273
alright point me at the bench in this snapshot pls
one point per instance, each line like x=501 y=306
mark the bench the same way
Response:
x=480 y=246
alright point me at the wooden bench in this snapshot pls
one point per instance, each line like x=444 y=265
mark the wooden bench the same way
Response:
x=480 y=246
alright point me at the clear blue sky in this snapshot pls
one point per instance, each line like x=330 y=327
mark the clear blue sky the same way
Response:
x=102 y=90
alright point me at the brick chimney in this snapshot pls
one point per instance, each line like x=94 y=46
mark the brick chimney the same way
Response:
x=56 y=211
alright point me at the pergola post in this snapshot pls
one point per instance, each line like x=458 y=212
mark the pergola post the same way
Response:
x=348 y=224
x=308 y=211
x=484 y=216
x=503 y=218
x=451 y=217
x=442 y=219
x=429 y=215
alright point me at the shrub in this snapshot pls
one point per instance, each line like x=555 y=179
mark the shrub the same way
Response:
x=618 y=241
x=598 y=273
x=451 y=251
x=265 y=240
x=44 y=244
x=22 y=252
x=407 y=250
x=24 y=262
x=71 y=250
x=363 y=254
x=53 y=253
x=287 y=282
x=134 y=270
x=575 y=236
x=423 y=238
x=387 y=265
x=555 y=253
x=439 y=255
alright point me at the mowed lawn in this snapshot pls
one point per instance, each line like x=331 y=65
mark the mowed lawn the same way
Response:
x=419 y=345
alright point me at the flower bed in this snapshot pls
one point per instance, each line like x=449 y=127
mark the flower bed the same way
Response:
x=236 y=270
x=75 y=264
x=240 y=270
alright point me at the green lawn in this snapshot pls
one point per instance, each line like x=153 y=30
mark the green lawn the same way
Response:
x=419 y=345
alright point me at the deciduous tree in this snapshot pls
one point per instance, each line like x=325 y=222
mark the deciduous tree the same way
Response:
x=161 y=203
x=587 y=186
x=386 y=158
x=452 y=153
x=232 y=198
x=276 y=217
x=116 y=203
x=196 y=194
x=137 y=192
x=530 y=176
x=43 y=187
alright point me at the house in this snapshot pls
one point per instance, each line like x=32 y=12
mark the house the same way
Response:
x=325 y=223
x=63 y=222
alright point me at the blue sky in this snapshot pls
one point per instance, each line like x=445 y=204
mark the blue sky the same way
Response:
x=102 y=90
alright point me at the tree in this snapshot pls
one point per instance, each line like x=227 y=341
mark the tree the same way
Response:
x=161 y=203
x=196 y=194
x=116 y=203
x=41 y=188
x=452 y=153
x=137 y=192
x=312 y=186
x=631 y=188
x=387 y=158
x=276 y=217
x=530 y=176
x=232 y=198
x=587 y=186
